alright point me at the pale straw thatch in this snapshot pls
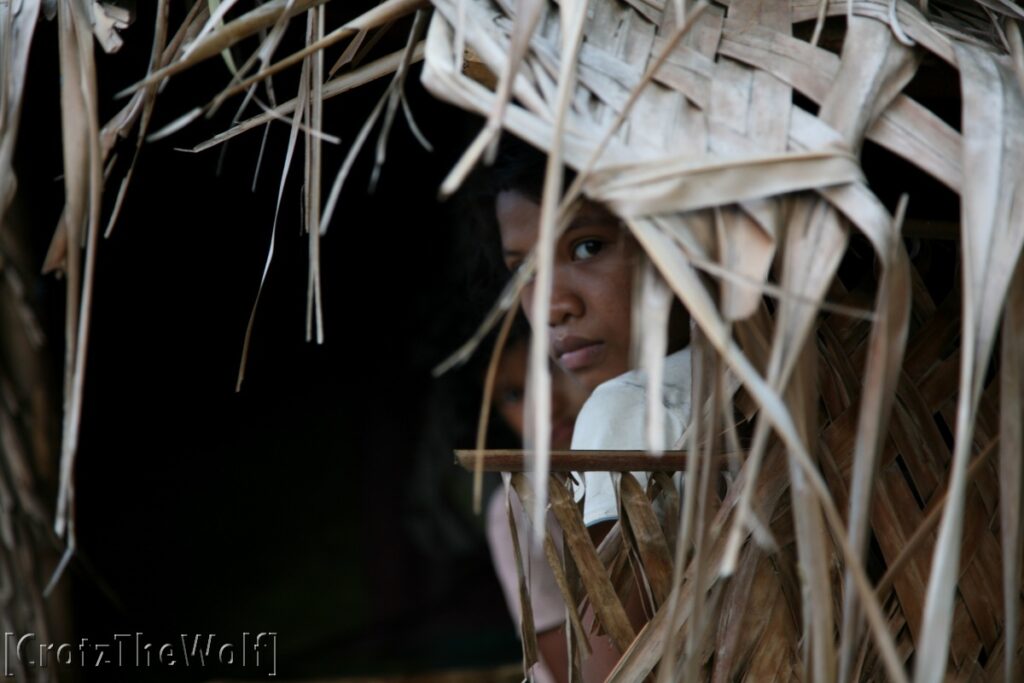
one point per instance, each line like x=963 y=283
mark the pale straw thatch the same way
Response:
x=29 y=549
x=681 y=117
x=682 y=120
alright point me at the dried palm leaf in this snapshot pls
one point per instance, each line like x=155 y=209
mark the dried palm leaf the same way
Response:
x=742 y=148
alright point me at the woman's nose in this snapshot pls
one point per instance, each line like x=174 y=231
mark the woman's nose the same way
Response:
x=565 y=300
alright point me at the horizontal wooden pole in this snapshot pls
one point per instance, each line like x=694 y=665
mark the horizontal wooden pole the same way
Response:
x=579 y=461
x=937 y=230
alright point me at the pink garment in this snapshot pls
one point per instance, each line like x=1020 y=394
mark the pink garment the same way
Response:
x=545 y=598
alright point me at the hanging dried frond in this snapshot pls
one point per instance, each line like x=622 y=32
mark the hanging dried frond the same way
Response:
x=662 y=133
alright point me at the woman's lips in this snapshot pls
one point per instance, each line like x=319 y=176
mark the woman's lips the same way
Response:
x=582 y=356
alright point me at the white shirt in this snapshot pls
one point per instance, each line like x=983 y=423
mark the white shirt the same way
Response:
x=614 y=419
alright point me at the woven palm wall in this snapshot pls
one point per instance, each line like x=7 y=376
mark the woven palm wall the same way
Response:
x=865 y=421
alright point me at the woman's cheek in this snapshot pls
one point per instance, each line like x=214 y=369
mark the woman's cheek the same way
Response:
x=512 y=413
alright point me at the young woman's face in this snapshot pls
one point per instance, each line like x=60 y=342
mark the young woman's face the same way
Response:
x=510 y=393
x=590 y=311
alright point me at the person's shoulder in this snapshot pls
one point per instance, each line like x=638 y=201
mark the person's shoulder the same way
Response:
x=625 y=393
x=626 y=386
x=676 y=377
x=679 y=361
x=612 y=416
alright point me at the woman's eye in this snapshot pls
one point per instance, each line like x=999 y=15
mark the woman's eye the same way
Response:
x=510 y=397
x=586 y=249
x=514 y=268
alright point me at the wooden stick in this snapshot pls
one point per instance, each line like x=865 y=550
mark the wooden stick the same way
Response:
x=581 y=461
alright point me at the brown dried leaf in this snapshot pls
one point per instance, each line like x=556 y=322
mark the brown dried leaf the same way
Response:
x=1011 y=448
x=992 y=240
x=646 y=533
x=595 y=579
x=527 y=630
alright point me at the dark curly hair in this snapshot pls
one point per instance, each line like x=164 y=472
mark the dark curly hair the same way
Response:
x=518 y=167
